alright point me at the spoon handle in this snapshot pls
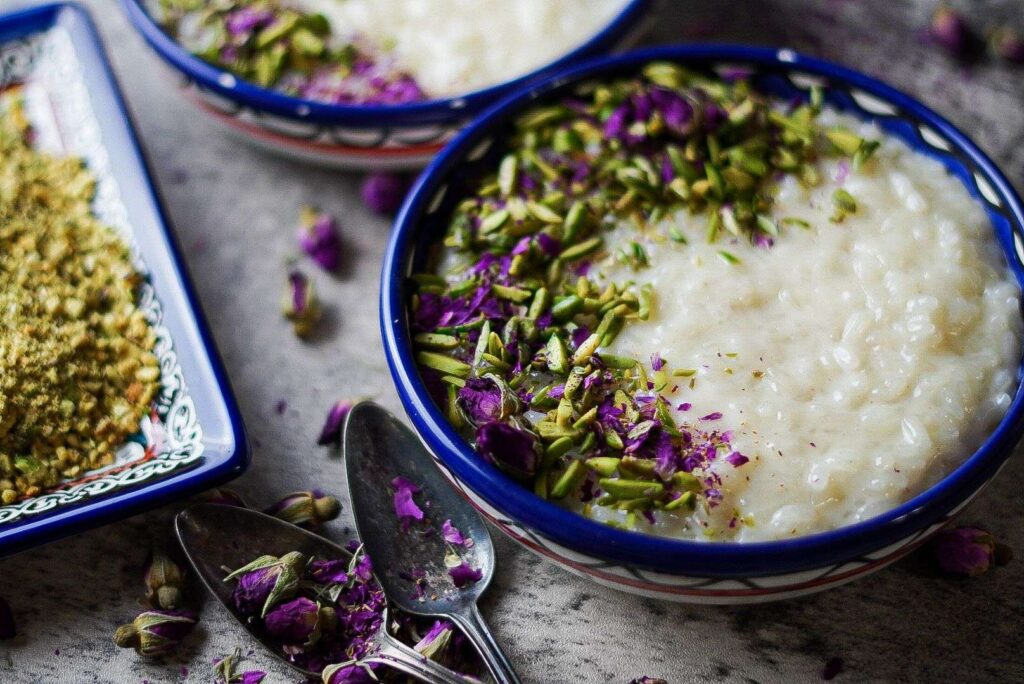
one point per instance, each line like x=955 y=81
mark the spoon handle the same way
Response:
x=400 y=657
x=473 y=626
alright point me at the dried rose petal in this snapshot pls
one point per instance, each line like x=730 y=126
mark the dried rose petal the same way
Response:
x=384 y=192
x=949 y=29
x=405 y=506
x=328 y=571
x=966 y=551
x=330 y=433
x=511 y=449
x=318 y=237
x=293 y=621
x=350 y=673
x=451 y=534
x=736 y=459
x=1006 y=43
x=435 y=642
x=464 y=574
x=648 y=680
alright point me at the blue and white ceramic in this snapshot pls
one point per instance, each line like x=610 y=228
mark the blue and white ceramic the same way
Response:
x=193 y=438
x=349 y=136
x=687 y=570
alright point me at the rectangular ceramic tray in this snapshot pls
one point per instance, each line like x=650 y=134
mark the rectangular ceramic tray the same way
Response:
x=193 y=438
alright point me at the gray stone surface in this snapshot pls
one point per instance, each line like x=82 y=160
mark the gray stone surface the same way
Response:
x=234 y=210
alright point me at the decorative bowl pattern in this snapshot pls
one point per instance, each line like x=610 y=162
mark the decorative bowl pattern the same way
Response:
x=192 y=438
x=349 y=136
x=675 y=569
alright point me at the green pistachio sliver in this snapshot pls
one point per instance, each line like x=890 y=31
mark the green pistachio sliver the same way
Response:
x=605 y=466
x=612 y=439
x=864 y=153
x=494 y=361
x=798 y=222
x=586 y=419
x=687 y=481
x=541 y=301
x=436 y=341
x=281 y=27
x=640 y=503
x=481 y=345
x=569 y=480
x=507 y=172
x=728 y=257
x=685 y=500
x=427 y=279
x=586 y=349
x=454 y=415
x=494 y=221
x=630 y=489
x=540 y=397
x=563 y=415
x=549 y=430
x=684 y=372
x=543 y=213
x=614 y=328
x=581 y=249
x=445 y=364
x=557 y=355
x=844 y=140
x=567 y=308
x=560 y=447
x=588 y=443
x=453 y=380
x=844 y=202
x=618 y=362
x=666 y=74
x=767 y=225
x=574 y=221
x=513 y=294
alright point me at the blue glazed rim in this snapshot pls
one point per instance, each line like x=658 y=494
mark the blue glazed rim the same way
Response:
x=442 y=110
x=96 y=511
x=698 y=559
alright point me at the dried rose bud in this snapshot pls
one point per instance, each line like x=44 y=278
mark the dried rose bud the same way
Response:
x=435 y=642
x=511 y=449
x=164 y=581
x=350 y=673
x=1005 y=43
x=300 y=304
x=225 y=497
x=464 y=573
x=308 y=509
x=966 y=551
x=300 y=621
x=383 y=192
x=8 y=628
x=330 y=433
x=949 y=30
x=266 y=581
x=156 y=632
x=318 y=237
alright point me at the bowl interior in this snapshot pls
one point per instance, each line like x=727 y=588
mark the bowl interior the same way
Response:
x=456 y=108
x=785 y=75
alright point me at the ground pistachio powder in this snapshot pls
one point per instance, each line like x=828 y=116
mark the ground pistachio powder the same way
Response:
x=77 y=372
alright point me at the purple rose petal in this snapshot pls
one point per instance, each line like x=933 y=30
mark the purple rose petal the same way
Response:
x=330 y=433
x=464 y=574
x=451 y=534
x=405 y=506
x=384 y=192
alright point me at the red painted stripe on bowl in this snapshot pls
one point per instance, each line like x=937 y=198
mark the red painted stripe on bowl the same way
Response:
x=712 y=593
x=264 y=134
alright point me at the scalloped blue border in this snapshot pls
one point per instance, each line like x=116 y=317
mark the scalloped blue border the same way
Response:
x=221 y=462
x=453 y=109
x=701 y=559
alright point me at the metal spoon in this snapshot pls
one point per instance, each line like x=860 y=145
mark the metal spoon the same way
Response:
x=378 y=448
x=216 y=536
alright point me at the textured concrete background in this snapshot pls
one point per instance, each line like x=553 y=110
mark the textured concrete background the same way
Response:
x=234 y=210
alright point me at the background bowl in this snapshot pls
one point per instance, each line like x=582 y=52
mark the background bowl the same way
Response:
x=687 y=570
x=193 y=438
x=350 y=136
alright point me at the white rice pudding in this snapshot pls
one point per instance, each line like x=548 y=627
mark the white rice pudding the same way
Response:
x=456 y=46
x=856 y=363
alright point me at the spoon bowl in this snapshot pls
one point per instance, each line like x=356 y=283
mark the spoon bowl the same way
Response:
x=216 y=536
x=409 y=559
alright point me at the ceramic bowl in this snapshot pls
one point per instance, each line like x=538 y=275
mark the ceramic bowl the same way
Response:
x=349 y=136
x=193 y=438
x=709 y=572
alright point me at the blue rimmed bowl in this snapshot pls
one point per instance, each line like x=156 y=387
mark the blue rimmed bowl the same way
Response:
x=656 y=566
x=351 y=136
x=193 y=437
